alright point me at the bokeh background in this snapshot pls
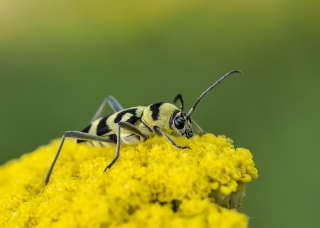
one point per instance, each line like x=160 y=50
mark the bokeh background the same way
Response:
x=60 y=59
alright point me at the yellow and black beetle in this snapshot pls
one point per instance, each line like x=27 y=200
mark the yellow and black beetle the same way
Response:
x=137 y=124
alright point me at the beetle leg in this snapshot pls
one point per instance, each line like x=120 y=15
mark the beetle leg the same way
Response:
x=197 y=127
x=114 y=104
x=157 y=129
x=128 y=127
x=76 y=135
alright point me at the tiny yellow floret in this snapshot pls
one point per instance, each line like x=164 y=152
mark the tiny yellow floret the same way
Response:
x=153 y=184
x=214 y=185
x=246 y=178
x=225 y=190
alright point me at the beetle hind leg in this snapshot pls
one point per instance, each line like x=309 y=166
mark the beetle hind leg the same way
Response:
x=75 y=135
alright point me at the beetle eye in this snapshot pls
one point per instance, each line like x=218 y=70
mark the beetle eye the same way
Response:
x=178 y=124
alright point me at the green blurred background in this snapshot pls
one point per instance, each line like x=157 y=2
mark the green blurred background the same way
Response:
x=60 y=59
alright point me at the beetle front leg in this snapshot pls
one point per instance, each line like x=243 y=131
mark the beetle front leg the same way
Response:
x=159 y=131
x=197 y=127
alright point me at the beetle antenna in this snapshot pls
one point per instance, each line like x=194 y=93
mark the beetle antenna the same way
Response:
x=181 y=104
x=210 y=88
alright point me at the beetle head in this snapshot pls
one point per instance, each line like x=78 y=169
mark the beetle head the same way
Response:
x=183 y=125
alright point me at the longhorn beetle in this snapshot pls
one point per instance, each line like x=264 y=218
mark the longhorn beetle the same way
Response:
x=133 y=125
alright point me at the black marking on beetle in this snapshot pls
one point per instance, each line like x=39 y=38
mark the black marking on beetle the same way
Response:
x=86 y=130
x=103 y=127
x=122 y=113
x=113 y=137
x=155 y=108
x=133 y=119
x=173 y=115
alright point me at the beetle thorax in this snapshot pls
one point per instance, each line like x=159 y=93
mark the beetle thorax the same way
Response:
x=159 y=114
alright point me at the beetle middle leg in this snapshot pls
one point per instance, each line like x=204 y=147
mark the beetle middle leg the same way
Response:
x=131 y=128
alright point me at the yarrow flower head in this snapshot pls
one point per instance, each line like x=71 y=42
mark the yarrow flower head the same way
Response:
x=153 y=184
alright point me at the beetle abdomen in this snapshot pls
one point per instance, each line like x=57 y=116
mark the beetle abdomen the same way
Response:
x=107 y=126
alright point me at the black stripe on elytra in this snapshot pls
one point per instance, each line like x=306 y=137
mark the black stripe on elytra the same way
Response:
x=86 y=130
x=132 y=119
x=102 y=127
x=173 y=115
x=155 y=108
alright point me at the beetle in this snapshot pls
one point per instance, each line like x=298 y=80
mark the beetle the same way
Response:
x=137 y=124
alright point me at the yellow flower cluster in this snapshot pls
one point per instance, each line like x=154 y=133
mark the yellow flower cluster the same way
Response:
x=152 y=184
